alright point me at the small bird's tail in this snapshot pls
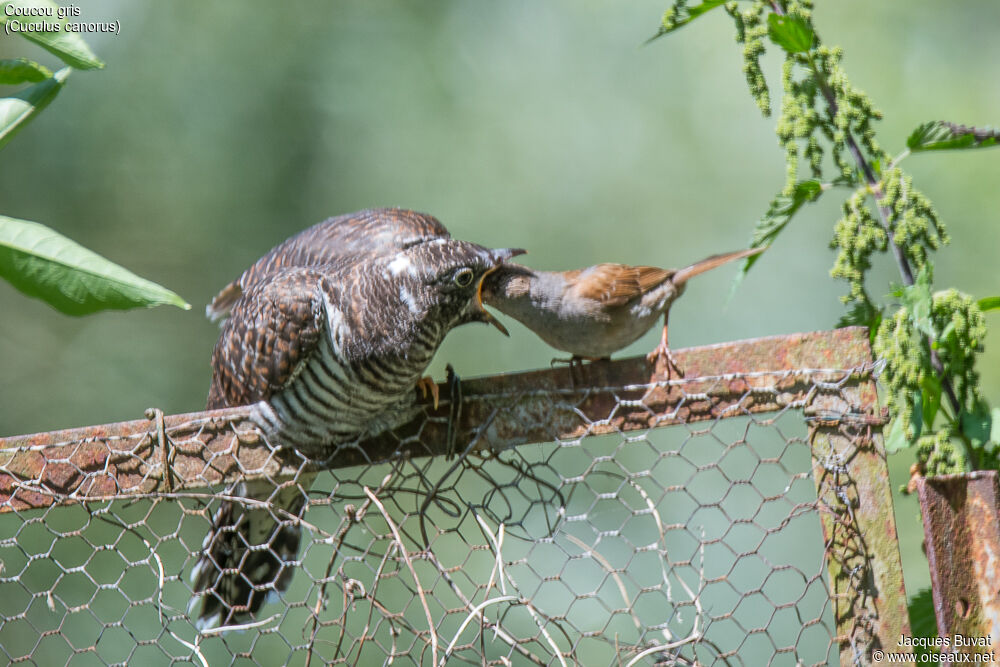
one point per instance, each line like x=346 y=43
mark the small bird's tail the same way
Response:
x=222 y=303
x=249 y=553
x=681 y=276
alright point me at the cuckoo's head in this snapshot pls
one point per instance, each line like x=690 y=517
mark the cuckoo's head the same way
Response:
x=443 y=278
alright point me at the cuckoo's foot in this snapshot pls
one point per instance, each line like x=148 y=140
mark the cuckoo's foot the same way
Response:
x=454 y=410
x=427 y=384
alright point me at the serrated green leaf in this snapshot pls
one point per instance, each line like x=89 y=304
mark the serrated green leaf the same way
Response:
x=790 y=32
x=778 y=215
x=989 y=303
x=918 y=301
x=862 y=313
x=948 y=333
x=896 y=440
x=680 y=15
x=46 y=265
x=917 y=414
x=66 y=45
x=930 y=399
x=977 y=425
x=941 y=135
x=781 y=210
x=21 y=70
x=17 y=111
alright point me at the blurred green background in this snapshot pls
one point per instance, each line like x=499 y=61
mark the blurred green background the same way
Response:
x=219 y=129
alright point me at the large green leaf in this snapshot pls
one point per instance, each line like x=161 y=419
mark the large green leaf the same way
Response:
x=21 y=70
x=17 y=111
x=680 y=15
x=46 y=265
x=792 y=33
x=68 y=46
x=941 y=135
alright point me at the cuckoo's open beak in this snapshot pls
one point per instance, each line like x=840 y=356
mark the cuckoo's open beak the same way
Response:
x=499 y=256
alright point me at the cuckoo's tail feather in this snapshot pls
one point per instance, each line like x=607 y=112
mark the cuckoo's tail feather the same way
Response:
x=249 y=553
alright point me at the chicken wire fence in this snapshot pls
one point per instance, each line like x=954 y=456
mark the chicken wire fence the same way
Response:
x=593 y=517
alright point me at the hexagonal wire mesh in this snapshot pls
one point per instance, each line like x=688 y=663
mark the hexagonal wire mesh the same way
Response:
x=609 y=541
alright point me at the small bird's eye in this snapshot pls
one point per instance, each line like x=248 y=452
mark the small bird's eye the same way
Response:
x=463 y=277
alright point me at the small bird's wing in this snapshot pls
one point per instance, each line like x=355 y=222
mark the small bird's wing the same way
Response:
x=368 y=233
x=273 y=327
x=616 y=284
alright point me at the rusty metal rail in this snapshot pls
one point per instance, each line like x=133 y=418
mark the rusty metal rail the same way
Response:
x=827 y=375
x=127 y=457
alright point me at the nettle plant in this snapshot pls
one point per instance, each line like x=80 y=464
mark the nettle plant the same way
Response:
x=929 y=340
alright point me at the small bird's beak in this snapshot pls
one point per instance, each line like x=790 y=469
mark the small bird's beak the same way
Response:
x=499 y=256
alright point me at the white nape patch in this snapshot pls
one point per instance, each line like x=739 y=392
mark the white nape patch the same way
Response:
x=401 y=263
x=336 y=327
x=407 y=297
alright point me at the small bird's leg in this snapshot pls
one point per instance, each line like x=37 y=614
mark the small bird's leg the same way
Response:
x=427 y=384
x=662 y=351
x=575 y=364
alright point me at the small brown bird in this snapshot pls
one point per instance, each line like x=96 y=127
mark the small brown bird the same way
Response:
x=594 y=312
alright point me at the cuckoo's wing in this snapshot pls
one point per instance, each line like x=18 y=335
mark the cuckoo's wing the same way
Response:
x=273 y=327
x=368 y=233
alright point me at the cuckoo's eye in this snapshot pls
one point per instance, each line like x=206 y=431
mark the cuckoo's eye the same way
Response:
x=463 y=277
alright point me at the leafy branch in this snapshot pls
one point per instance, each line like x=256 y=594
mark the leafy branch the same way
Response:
x=33 y=258
x=930 y=340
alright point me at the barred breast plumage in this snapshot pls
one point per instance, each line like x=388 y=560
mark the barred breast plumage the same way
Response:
x=323 y=338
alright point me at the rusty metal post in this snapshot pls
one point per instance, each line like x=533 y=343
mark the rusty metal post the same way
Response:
x=961 y=516
x=859 y=526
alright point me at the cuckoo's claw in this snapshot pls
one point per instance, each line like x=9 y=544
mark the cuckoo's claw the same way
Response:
x=454 y=410
x=427 y=384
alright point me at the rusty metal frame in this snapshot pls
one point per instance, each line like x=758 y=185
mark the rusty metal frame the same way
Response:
x=961 y=517
x=162 y=455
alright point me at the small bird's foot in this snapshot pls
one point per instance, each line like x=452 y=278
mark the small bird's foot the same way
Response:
x=575 y=364
x=427 y=384
x=661 y=356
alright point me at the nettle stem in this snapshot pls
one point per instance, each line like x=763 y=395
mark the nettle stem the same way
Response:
x=885 y=216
